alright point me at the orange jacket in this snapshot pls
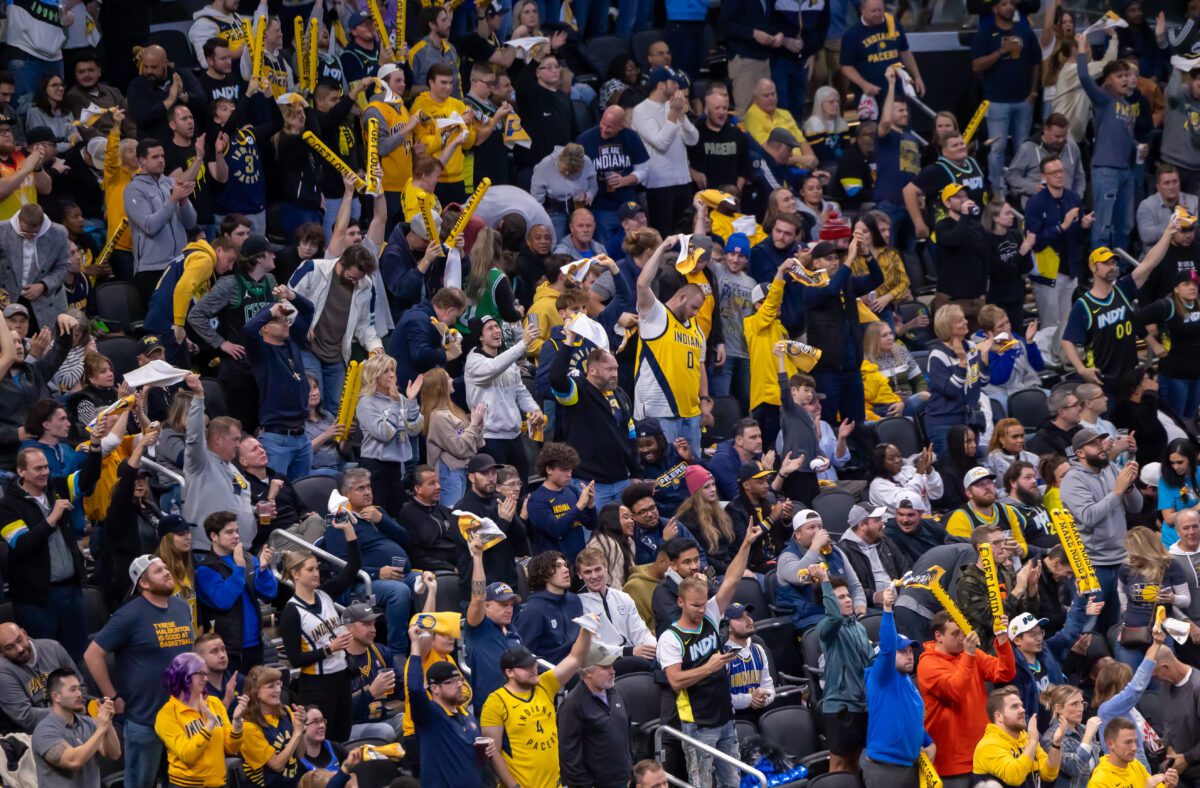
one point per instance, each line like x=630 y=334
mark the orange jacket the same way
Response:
x=956 y=701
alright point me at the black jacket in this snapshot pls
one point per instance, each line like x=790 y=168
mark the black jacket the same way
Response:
x=19 y=389
x=145 y=99
x=499 y=562
x=437 y=545
x=1051 y=439
x=130 y=530
x=597 y=424
x=548 y=117
x=28 y=568
x=961 y=257
x=664 y=603
x=594 y=739
x=894 y=561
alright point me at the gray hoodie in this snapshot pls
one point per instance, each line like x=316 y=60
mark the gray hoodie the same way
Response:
x=1099 y=512
x=48 y=266
x=1181 y=129
x=1024 y=175
x=159 y=225
x=23 y=693
x=497 y=381
x=213 y=485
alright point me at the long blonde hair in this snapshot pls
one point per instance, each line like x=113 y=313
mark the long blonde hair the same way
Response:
x=179 y=563
x=485 y=255
x=435 y=396
x=1147 y=555
x=712 y=519
x=372 y=369
x=871 y=350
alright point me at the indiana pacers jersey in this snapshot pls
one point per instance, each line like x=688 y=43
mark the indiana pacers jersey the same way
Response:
x=530 y=731
x=668 y=366
x=1111 y=342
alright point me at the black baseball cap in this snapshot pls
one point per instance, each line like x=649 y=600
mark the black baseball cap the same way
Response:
x=517 y=657
x=151 y=343
x=172 y=524
x=824 y=249
x=753 y=470
x=255 y=245
x=481 y=462
x=441 y=672
x=41 y=134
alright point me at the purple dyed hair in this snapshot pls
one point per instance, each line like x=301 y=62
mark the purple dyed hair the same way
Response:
x=177 y=677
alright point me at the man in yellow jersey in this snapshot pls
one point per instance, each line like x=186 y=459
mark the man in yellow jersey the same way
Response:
x=1120 y=768
x=440 y=136
x=21 y=177
x=669 y=373
x=422 y=185
x=521 y=714
x=395 y=134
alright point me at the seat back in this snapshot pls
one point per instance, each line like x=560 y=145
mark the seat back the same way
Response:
x=1030 y=407
x=998 y=410
x=792 y=728
x=916 y=338
x=641 y=694
x=871 y=623
x=179 y=48
x=214 y=400
x=726 y=413
x=746 y=730
x=314 y=491
x=834 y=507
x=601 y=51
x=122 y=352
x=119 y=305
x=901 y=433
x=449 y=595
x=750 y=594
x=779 y=636
x=836 y=780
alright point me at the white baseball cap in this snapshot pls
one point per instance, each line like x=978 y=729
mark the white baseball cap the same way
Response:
x=803 y=516
x=1025 y=622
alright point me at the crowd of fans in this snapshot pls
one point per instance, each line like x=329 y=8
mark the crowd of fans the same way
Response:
x=386 y=394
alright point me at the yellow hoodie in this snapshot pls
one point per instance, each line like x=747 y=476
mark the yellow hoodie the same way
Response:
x=876 y=389
x=1109 y=775
x=994 y=757
x=195 y=280
x=115 y=179
x=544 y=310
x=762 y=330
x=436 y=140
x=195 y=756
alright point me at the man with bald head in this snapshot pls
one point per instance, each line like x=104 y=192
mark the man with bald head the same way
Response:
x=722 y=154
x=765 y=115
x=621 y=162
x=157 y=89
x=24 y=665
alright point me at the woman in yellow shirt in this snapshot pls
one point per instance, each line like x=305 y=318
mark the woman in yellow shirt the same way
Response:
x=193 y=725
x=273 y=732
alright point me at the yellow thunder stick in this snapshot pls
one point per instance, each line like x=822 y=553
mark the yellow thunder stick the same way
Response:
x=467 y=211
x=247 y=36
x=933 y=585
x=314 y=59
x=928 y=775
x=991 y=577
x=372 y=140
x=401 y=25
x=260 y=33
x=377 y=18
x=423 y=203
x=349 y=404
x=1081 y=564
x=334 y=160
x=301 y=53
x=107 y=251
x=976 y=119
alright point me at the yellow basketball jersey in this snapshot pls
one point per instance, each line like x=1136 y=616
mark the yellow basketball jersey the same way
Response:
x=668 y=367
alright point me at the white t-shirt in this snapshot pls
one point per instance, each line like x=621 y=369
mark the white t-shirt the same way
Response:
x=670 y=648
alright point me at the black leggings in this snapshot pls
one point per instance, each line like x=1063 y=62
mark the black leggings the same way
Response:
x=387 y=484
x=331 y=694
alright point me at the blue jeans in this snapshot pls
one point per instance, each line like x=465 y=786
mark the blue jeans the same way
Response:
x=62 y=618
x=1182 y=395
x=686 y=40
x=454 y=484
x=702 y=767
x=293 y=216
x=844 y=393
x=606 y=493
x=1005 y=121
x=608 y=230
x=27 y=71
x=143 y=755
x=937 y=436
x=591 y=16
x=791 y=82
x=633 y=16
x=1112 y=202
x=396 y=597
x=688 y=429
x=332 y=376
x=290 y=455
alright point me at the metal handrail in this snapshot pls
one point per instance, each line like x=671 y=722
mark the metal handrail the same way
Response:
x=713 y=751
x=326 y=556
x=170 y=474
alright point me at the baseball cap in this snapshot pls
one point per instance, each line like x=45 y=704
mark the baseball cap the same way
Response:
x=1083 y=438
x=629 y=209
x=858 y=513
x=139 y=566
x=1025 y=622
x=737 y=610
x=499 y=592
x=441 y=672
x=759 y=293
x=695 y=477
x=387 y=70
x=41 y=134
x=661 y=74
x=357 y=19
x=977 y=474
x=911 y=503
x=1186 y=276
x=96 y=148
x=738 y=242
x=517 y=657
x=783 y=137
x=824 y=249
x=172 y=524
x=418 y=225
x=16 y=309
x=649 y=428
x=803 y=516
x=7 y=120
x=602 y=655
x=753 y=470
x=151 y=343
x=903 y=642
x=1100 y=254
x=255 y=245
x=480 y=462
x=361 y=612
x=950 y=190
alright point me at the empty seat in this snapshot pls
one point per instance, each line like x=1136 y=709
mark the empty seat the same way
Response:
x=1030 y=407
x=726 y=412
x=749 y=593
x=793 y=729
x=601 y=51
x=313 y=492
x=901 y=433
x=122 y=352
x=119 y=305
x=834 y=507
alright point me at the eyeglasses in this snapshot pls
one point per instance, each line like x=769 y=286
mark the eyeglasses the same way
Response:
x=491 y=83
x=645 y=511
x=317 y=721
x=549 y=67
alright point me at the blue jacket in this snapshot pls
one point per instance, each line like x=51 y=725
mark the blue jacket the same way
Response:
x=896 y=725
x=952 y=400
x=1043 y=218
x=724 y=467
x=1054 y=651
x=806 y=601
x=556 y=523
x=1000 y=365
x=279 y=369
x=219 y=593
x=416 y=344
x=546 y=624
x=381 y=544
